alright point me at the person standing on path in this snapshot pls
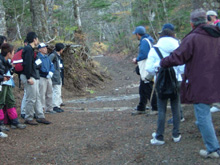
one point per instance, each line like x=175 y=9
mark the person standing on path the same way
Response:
x=146 y=86
x=200 y=85
x=30 y=78
x=58 y=76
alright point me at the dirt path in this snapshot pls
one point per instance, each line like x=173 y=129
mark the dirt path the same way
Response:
x=98 y=129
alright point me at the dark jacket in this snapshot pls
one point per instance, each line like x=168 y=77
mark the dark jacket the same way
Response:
x=200 y=51
x=57 y=75
x=29 y=65
x=46 y=65
x=5 y=66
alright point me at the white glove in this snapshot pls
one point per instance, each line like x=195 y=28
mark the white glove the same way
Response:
x=50 y=75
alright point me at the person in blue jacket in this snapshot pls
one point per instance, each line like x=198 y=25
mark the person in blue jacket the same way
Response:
x=46 y=71
x=146 y=85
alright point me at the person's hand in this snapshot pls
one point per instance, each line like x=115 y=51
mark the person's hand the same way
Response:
x=30 y=81
x=50 y=75
x=134 y=60
x=6 y=78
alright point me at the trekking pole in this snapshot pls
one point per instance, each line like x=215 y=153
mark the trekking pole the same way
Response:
x=153 y=89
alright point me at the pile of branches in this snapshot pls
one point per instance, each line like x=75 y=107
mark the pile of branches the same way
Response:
x=80 y=71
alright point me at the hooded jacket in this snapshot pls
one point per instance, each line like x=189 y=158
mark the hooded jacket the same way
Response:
x=200 y=51
x=166 y=46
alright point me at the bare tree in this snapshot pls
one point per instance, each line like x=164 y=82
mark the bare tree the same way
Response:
x=79 y=36
x=39 y=21
x=3 y=29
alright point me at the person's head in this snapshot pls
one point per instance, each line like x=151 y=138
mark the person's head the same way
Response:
x=211 y=16
x=59 y=47
x=32 y=38
x=7 y=50
x=167 y=30
x=42 y=47
x=139 y=32
x=198 y=17
x=3 y=39
x=25 y=42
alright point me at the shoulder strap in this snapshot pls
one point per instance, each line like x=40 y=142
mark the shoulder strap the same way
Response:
x=148 y=42
x=158 y=52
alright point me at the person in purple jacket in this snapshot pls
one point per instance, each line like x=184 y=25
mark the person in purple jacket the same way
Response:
x=199 y=51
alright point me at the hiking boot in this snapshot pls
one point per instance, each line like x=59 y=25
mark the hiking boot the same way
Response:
x=147 y=108
x=177 y=139
x=43 y=121
x=30 y=122
x=4 y=128
x=151 y=112
x=58 y=110
x=20 y=126
x=3 y=135
x=138 y=113
x=206 y=154
x=50 y=112
x=23 y=116
x=62 y=104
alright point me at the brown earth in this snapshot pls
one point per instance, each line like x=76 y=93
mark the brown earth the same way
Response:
x=98 y=130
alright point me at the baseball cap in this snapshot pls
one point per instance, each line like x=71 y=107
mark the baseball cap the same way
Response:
x=167 y=26
x=41 y=45
x=211 y=12
x=140 y=30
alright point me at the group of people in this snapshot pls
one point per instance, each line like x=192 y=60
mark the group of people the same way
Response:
x=42 y=78
x=196 y=63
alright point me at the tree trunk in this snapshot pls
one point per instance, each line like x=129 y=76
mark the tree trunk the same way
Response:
x=3 y=29
x=39 y=21
x=79 y=36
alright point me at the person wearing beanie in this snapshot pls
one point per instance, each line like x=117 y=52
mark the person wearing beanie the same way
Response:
x=146 y=82
x=200 y=85
x=212 y=17
x=58 y=76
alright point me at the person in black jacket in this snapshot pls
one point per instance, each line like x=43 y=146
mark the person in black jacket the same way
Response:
x=30 y=78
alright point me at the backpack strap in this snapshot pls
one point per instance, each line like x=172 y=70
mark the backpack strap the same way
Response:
x=150 y=44
x=158 y=52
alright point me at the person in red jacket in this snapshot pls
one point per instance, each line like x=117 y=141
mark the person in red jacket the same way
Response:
x=199 y=51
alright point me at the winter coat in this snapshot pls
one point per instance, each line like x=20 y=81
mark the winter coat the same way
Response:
x=58 y=66
x=46 y=65
x=30 y=67
x=5 y=66
x=200 y=52
x=166 y=45
x=144 y=47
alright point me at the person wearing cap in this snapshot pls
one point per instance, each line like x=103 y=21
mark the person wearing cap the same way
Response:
x=30 y=78
x=200 y=85
x=212 y=17
x=58 y=77
x=146 y=86
x=166 y=44
x=46 y=73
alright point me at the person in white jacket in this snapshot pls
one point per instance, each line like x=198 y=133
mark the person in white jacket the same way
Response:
x=166 y=44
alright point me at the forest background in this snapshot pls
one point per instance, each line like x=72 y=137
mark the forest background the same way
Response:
x=108 y=23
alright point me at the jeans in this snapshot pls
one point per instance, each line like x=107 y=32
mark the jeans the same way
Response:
x=145 y=90
x=162 y=108
x=205 y=126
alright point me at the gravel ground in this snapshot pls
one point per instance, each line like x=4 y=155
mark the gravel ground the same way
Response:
x=101 y=130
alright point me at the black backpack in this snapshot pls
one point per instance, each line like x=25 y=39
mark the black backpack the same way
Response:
x=166 y=84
